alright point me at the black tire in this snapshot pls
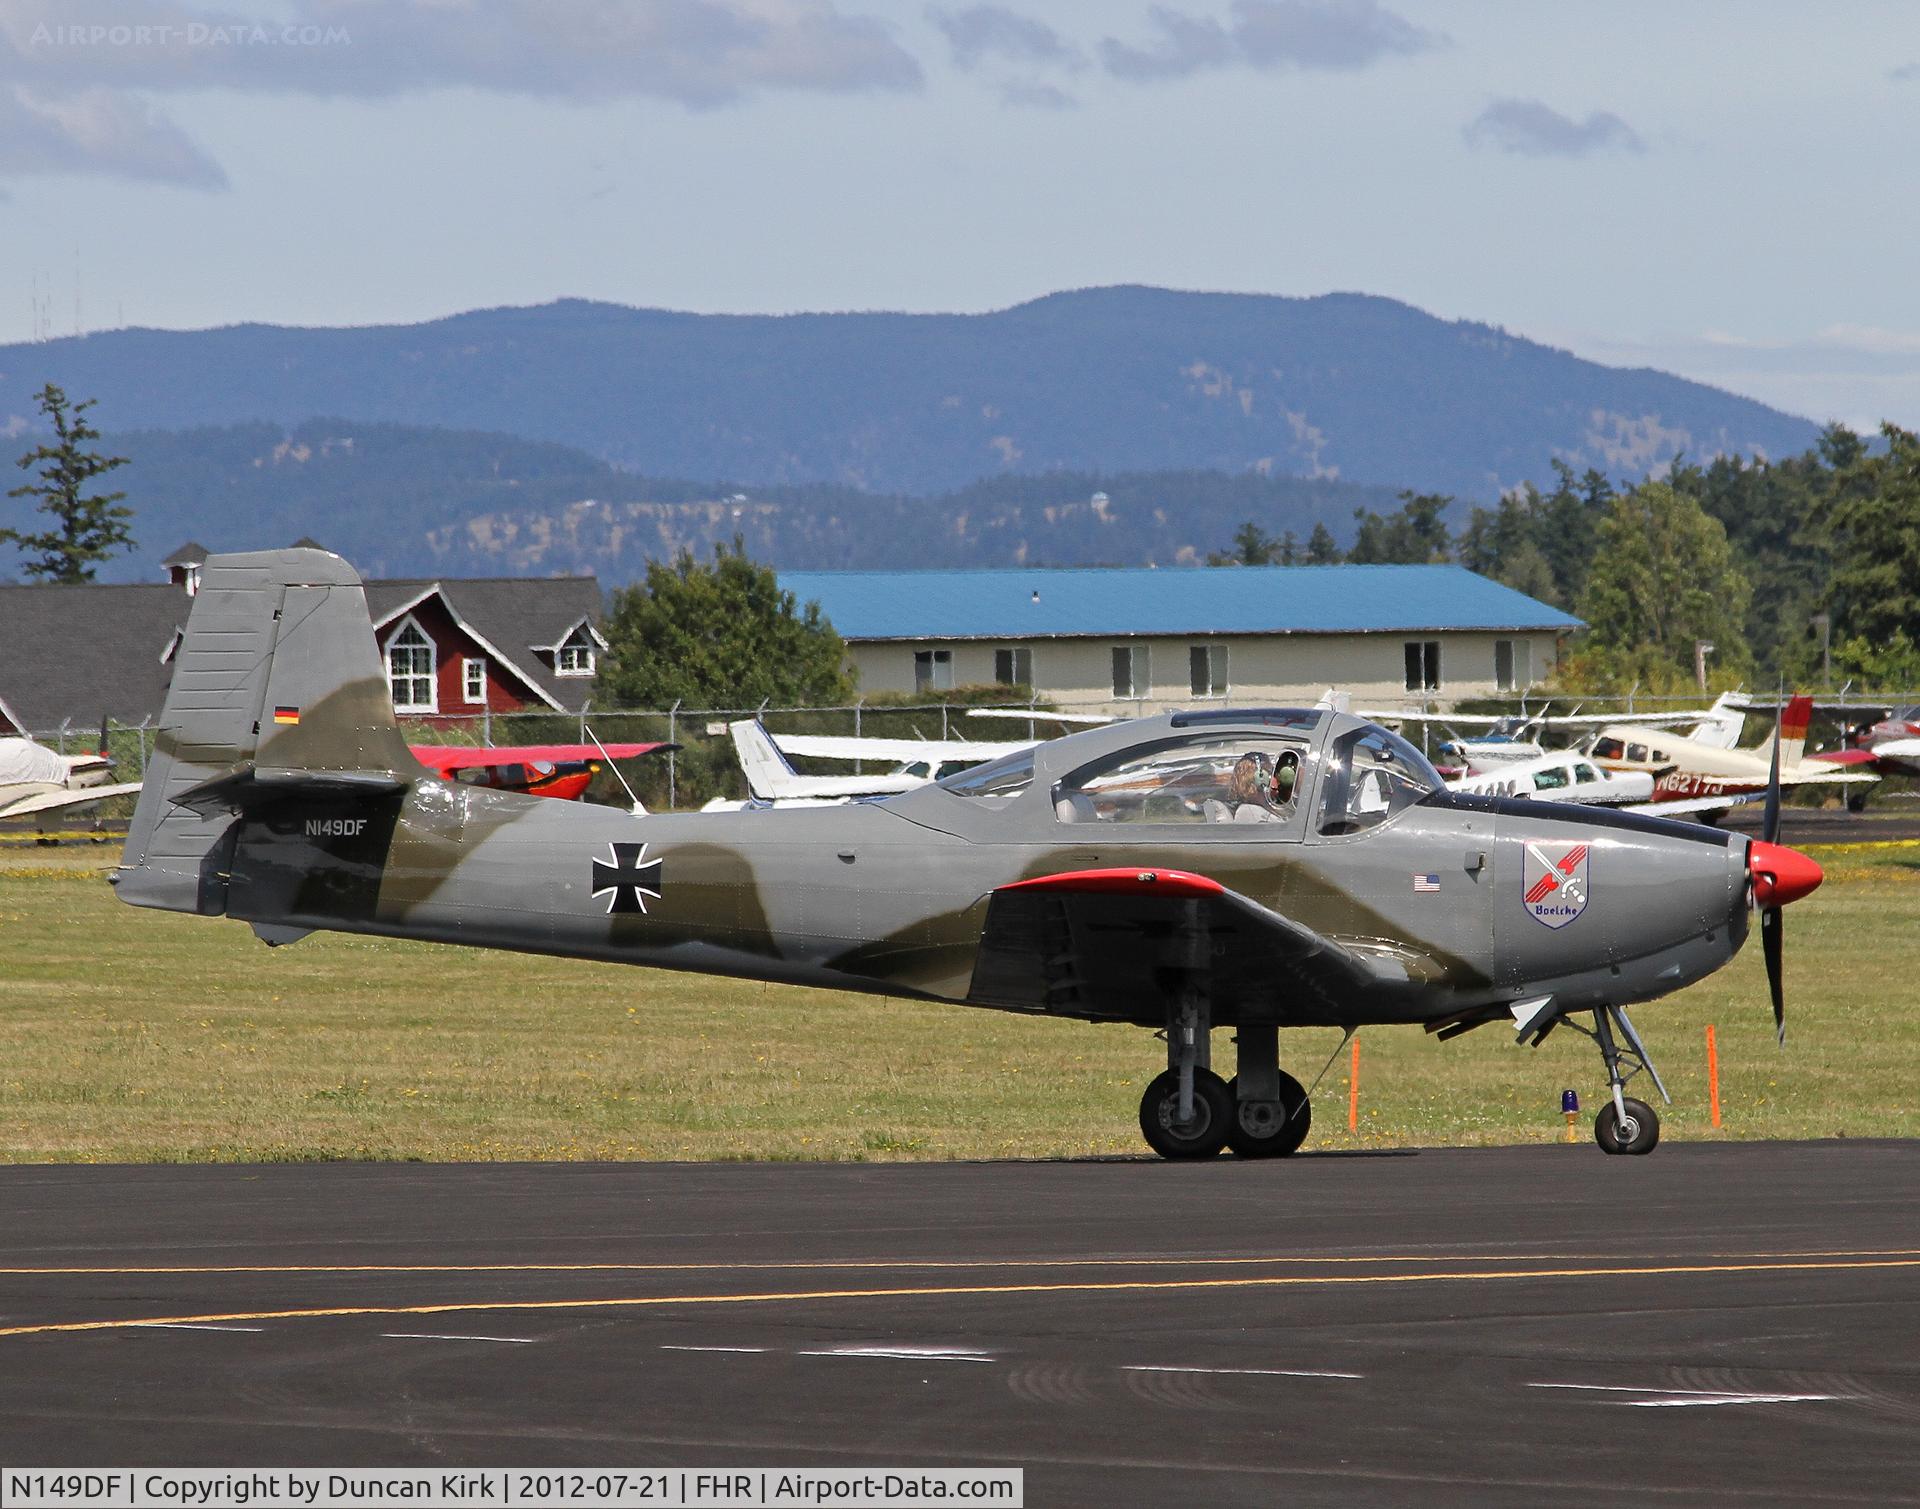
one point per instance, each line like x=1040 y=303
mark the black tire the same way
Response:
x=1212 y=1115
x=1638 y=1134
x=1856 y=801
x=1285 y=1135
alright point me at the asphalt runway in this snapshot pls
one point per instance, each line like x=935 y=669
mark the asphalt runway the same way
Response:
x=1731 y=1322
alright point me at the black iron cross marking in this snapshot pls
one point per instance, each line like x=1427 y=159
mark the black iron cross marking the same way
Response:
x=629 y=880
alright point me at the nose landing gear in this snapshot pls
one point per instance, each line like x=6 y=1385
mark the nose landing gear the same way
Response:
x=1625 y=1125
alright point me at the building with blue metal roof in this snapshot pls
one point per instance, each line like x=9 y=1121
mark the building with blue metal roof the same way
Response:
x=1136 y=640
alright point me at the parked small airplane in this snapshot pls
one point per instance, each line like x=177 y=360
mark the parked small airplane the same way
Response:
x=1512 y=739
x=1563 y=777
x=1883 y=737
x=563 y=771
x=34 y=778
x=1243 y=868
x=1706 y=764
x=774 y=782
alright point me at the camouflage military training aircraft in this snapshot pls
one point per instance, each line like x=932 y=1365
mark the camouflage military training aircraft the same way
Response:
x=1238 y=868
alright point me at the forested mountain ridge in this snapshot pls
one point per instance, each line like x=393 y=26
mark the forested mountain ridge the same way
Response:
x=399 y=500
x=1124 y=379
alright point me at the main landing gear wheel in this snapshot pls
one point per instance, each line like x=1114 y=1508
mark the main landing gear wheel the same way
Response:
x=1636 y=1133
x=1276 y=1131
x=1201 y=1137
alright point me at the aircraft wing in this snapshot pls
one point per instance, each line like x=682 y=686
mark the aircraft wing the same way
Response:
x=833 y=747
x=447 y=758
x=1695 y=804
x=1852 y=756
x=1097 y=942
x=1045 y=717
x=1820 y=704
x=51 y=801
x=1896 y=749
x=1464 y=720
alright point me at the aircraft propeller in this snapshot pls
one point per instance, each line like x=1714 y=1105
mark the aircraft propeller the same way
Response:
x=1777 y=875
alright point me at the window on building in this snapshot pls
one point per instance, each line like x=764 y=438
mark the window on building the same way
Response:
x=1013 y=666
x=1130 y=672
x=1423 y=665
x=473 y=680
x=410 y=670
x=575 y=655
x=932 y=670
x=1513 y=664
x=1207 y=670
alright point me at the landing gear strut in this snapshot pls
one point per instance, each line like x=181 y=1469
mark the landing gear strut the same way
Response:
x=1187 y=1112
x=1271 y=1111
x=1624 y=1125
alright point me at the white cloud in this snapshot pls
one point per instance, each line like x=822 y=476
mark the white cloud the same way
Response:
x=1333 y=35
x=97 y=131
x=699 y=53
x=982 y=32
x=1532 y=129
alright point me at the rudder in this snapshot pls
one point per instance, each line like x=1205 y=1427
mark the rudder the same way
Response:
x=276 y=684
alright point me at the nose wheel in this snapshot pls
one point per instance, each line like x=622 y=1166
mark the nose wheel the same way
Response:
x=1624 y=1125
x=1630 y=1127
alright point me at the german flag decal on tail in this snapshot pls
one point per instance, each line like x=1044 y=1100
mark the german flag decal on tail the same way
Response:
x=285 y=715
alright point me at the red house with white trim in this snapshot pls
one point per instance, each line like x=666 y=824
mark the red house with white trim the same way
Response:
x=453 y=649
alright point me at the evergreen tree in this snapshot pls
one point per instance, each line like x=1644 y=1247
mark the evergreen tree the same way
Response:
x=1321 y=549
x=86 y=529
x=1872 y=518
x=1415 y=535
x=720 y=635
x=1662 y=578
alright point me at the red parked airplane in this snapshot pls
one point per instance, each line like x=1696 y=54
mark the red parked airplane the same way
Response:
x=556 y=770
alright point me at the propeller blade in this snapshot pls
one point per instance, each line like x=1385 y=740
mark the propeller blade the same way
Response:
x=105 y=753
x=1772 y=936
x=1770 y=824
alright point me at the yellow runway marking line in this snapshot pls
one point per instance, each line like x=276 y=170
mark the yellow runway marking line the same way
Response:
x=854 y=1265
x=1114 y=1286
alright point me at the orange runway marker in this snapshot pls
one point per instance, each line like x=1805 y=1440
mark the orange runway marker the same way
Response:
x=1353 y=1089
x=1713 y=1074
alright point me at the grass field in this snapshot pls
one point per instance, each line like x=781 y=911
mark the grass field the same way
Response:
x=139 y=1036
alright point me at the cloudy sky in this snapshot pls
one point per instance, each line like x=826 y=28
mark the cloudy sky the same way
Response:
x=1722 y=190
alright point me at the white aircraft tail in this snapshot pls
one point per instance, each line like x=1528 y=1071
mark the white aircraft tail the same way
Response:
x=769 y=776
x=1720 y=728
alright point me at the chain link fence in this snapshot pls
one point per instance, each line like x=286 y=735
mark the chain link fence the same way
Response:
x=704 y=765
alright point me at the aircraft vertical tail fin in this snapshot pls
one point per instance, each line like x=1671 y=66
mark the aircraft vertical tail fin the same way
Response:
x=276 y=685
x=1720 y=728
x=1794 y=719
x=769 y=776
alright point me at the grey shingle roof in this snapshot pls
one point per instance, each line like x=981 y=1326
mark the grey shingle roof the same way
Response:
x=82 y=653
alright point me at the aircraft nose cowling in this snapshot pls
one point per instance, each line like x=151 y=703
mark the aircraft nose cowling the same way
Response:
x=1781 y=874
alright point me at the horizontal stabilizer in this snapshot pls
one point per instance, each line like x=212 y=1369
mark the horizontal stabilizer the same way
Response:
x=54 y=801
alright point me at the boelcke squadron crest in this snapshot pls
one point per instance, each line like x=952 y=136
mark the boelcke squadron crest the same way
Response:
x=1553 y=882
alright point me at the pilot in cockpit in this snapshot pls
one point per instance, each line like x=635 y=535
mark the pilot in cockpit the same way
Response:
x=1259 y=790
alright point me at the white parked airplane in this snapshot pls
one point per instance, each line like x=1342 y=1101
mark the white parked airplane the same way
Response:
x=775 y=783
x=34 y=778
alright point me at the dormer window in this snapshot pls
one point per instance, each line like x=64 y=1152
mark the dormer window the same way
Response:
x=410 y=666
x=575 y=655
